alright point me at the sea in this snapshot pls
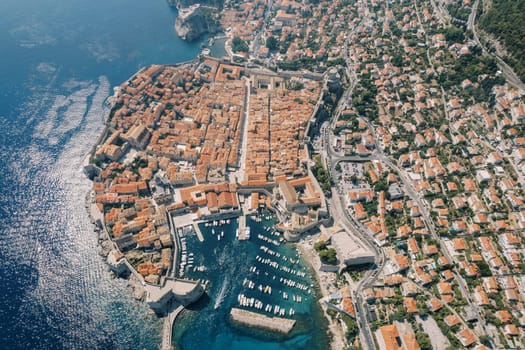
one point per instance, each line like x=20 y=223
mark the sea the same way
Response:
x=59 y=62
x=263 y=270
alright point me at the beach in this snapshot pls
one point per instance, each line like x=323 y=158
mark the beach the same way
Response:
x=325 y=281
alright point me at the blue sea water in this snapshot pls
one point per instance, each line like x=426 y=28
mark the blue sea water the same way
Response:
x=231 y=265
x=59 y=61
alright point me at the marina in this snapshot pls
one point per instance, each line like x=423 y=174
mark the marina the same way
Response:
x=261 y=280
x=198 y=232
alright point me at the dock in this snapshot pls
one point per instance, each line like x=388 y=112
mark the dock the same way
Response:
x=253 y=319
x=244 y=231
x=198 y=232
x=167 y=329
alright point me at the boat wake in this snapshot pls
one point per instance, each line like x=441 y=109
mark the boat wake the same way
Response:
x=221 y=295
x=221 y=259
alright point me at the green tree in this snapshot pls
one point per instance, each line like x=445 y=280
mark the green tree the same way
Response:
x=454 y=34
x=272 y=44
x=320 y=245
x=239 y=45
x=352 y=328
x=506 y=20
x=485 y=340
x=328 y=255
x=424 y=341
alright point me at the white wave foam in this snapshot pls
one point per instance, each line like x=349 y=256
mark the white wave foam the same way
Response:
x=74 y=282
x=46 y=68
x=76 y=109
x=103 y=50
x=222 y=294
x=66 y=114
x=33 y=34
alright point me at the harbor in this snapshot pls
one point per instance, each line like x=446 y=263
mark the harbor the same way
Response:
x=249 y=282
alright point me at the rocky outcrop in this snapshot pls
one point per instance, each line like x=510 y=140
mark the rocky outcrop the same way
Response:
x=187 y=3
x=196 y=20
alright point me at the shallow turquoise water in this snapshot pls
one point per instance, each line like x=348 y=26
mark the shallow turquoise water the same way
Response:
x=230 y=270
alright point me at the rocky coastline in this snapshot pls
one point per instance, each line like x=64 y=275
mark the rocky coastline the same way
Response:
x=197 y=20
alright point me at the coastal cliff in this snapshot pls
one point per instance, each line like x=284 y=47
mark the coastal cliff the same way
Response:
x=187 y=3
x=196 y=20
x=196 y=17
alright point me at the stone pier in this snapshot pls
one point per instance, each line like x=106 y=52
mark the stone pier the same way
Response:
x=253 y=319
x=167 y=329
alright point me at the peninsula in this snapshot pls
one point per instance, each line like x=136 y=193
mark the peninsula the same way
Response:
x=197 y=18
x=387 y=138
x=200 y=143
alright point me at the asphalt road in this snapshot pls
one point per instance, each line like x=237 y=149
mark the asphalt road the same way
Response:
x=506 y=70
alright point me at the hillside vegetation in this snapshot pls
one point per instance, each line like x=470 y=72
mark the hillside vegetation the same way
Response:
x=506 y=21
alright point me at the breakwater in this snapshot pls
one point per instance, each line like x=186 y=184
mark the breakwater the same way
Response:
x=254 y=319
x=254 y=275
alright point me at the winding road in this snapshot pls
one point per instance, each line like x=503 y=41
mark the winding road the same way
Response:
x=509 y=74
